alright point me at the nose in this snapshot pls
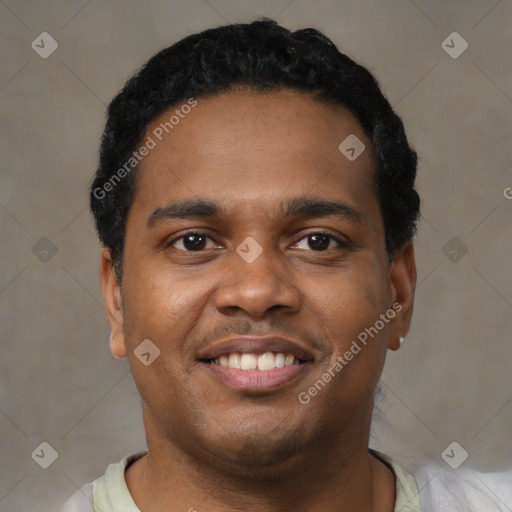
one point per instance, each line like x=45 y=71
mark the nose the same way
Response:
x=258 y=285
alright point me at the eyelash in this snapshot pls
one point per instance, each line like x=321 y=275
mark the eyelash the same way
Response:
x=341 y=243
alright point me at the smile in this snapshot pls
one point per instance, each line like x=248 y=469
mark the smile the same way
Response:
x=261 y=362
x=256 y=373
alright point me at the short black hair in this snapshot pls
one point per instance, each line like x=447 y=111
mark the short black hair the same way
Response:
x=262 y=56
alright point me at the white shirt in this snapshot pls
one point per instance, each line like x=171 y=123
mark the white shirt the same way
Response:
x=431 y=489
x=463 y=490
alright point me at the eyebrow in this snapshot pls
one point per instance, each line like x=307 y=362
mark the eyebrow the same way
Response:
x=308 y=207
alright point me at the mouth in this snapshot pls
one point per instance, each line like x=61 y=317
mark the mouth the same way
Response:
x=256 y=365
x=262 y=362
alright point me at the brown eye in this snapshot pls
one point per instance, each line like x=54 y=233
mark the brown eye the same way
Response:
x=320 y=241
x=190 y=242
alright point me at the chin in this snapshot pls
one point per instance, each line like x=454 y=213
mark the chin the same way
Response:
x=258 y=449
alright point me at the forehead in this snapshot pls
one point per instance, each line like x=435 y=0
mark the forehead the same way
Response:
x=253 y=150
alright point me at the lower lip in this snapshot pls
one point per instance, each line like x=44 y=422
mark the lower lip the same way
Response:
x=257 y=381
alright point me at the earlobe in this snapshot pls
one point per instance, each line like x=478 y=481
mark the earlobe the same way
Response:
x=113 y=303
x=403 y=284
x=118 y=350
x=395 y=343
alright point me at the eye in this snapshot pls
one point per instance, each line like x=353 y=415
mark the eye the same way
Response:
x=320 y=241
x=190 y=242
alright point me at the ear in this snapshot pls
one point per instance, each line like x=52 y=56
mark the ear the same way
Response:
x=113 y=303
x=403 y=285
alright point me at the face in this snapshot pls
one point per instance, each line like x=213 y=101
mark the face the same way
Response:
x=252 y=240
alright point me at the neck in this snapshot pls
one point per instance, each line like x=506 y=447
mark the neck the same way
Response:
x=326 y=477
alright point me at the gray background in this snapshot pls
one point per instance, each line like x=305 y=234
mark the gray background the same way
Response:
x=451 y=381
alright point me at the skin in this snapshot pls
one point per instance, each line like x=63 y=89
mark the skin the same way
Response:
x=212 y=447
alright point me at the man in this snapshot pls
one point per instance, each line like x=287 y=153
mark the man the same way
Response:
x=255 y=200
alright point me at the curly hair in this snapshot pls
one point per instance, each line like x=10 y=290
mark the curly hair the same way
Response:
x=262 y=56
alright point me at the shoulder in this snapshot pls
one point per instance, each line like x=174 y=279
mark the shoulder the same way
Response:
x=463 y=490
x=406 y=489
x=80 y=501
x=108 y=492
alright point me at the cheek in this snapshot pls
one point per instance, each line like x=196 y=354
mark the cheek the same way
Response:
x=158 y=310
x=167 y=310
x=350 y=300
x=347 y=311
x=154 y=299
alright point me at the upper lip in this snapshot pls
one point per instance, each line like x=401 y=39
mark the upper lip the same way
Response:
x=256 y=345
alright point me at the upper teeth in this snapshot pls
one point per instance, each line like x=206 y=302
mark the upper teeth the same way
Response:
x=266 y=361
